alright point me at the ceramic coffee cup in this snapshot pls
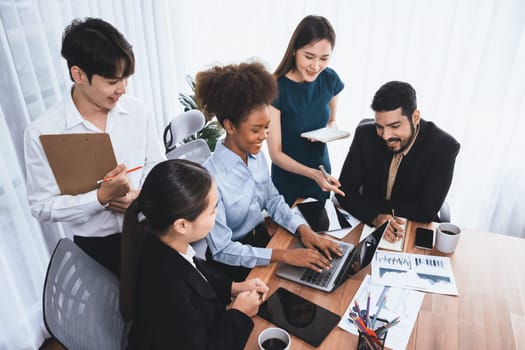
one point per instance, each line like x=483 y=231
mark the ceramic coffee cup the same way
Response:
x=447 y=237
x=274 y=339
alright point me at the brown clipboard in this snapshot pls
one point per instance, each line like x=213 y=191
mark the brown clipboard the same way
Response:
x=79 y=160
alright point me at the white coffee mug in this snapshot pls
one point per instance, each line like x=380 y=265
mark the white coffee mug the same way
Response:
x=447 y=237
x=274 y=339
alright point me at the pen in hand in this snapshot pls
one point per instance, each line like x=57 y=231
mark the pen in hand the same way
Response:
x=111 y=177
x=394 y=217
x=326 y=175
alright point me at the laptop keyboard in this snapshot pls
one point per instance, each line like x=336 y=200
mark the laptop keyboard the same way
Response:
x=322 y=278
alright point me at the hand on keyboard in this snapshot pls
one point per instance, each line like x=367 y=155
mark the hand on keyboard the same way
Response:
x=303 y=257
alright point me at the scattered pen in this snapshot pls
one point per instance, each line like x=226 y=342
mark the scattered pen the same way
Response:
x=326 y=175
x=111 y=177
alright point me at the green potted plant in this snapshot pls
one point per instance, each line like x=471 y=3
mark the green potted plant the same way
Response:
x=212 y=130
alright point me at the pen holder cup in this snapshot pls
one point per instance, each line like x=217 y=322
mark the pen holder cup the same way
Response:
x=366 y=342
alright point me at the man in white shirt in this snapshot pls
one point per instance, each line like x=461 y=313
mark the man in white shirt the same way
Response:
x=100 y=60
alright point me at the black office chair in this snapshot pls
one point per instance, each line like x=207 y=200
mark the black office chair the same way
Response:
x=444 y=212
x=367 y=121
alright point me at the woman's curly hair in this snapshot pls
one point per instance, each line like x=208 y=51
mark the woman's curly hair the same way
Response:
x=233 y=91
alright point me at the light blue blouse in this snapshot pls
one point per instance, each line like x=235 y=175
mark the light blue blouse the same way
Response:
x=244 y=192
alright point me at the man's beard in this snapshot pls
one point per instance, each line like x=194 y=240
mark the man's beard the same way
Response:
x=408 y=141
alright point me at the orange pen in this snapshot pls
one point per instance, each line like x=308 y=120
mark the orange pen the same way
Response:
x=127 y=172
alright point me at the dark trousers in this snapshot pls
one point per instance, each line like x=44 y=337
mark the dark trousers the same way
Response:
x=258 y=237
x=105 y=250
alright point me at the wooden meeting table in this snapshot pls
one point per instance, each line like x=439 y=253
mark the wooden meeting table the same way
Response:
x=489 y=312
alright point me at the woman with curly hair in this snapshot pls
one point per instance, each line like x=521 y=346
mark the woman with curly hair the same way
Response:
x=240 y=96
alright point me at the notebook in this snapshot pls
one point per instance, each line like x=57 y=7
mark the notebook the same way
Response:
x=323 y=216
x=384 y=244
x=353 y=260
x=325 y=134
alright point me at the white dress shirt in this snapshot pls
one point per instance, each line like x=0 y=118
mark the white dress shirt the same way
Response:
x=135 y=142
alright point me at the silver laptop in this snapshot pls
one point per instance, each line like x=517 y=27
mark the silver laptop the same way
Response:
x=353 y=260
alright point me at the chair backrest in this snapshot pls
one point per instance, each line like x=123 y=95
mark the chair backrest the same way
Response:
x=367 y=121
x=444 y=212
x=81 y=301
x=196 y=151
x=181 y=127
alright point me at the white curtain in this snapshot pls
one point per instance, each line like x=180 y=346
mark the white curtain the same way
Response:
x=466 y=59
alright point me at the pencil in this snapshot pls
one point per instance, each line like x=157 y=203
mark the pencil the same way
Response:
x=111 y=177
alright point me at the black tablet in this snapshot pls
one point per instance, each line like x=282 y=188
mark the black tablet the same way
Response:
x=323 y=216
x=298 y=316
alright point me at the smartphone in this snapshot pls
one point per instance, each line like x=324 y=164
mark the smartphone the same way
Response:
x=424 y=238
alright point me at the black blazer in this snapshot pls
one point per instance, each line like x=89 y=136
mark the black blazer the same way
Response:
x=423 y=179
x=178 y=309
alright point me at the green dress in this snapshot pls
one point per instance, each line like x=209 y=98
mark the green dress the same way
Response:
x=304 y=107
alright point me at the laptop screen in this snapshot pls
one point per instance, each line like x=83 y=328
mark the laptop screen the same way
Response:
x=363 y=252
x=323 y=216
x=353 y=260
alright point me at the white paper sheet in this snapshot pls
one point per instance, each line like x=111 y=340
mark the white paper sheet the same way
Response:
x=401 y=302
x=423 y=272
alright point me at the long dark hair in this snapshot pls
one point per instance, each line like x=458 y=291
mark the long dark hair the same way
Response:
x=311 y=29
x=173 y=189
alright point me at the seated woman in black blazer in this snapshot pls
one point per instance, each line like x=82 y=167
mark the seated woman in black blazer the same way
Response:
x=175 y=301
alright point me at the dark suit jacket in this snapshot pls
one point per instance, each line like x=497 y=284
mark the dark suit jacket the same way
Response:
x=178 y=309
x=423 y=179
